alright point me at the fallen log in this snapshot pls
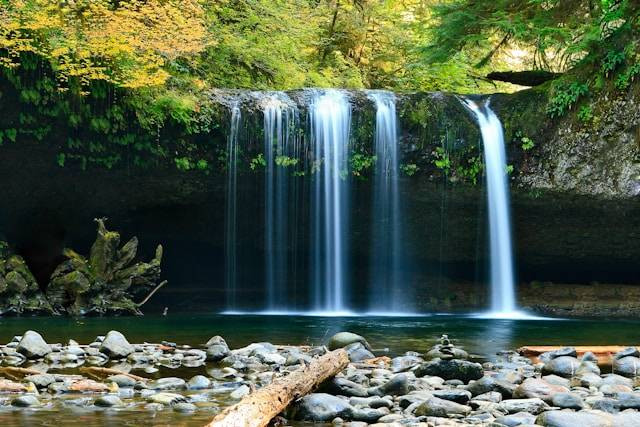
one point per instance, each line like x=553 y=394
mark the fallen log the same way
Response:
x=523 y=78
x=16 y=373
x=603 y=353
x=98 y=372
x=260 y=407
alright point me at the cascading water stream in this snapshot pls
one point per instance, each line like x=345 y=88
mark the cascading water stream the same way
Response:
x=231 y=264
x=330 y=117
x=503 y=295
x=388 y=291
x=281 y=149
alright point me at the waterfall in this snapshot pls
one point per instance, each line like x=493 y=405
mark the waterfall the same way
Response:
x=281 y=151
x=330 y=117
x=503 y=295
x=231 y=208
x=387 y=293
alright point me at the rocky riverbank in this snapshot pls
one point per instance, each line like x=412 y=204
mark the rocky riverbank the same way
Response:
x=444 y=386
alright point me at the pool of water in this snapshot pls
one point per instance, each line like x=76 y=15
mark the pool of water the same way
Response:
x=397 y=334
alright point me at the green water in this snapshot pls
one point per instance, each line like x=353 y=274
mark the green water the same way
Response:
x=481 y=336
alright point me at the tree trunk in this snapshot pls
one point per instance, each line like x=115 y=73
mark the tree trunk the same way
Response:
x=259 y=408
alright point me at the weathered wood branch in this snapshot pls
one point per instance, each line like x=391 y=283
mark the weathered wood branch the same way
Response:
x=603 y=353
x=260 y=407
x=523 y=78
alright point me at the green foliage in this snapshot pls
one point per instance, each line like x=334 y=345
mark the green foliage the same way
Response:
x=442 y=160
x=286 y=161
x=258 y=161
x=565 y=96
x=585 y=114
x=471 y=171
x=409 y=169
x=361 y=163
x=526 y=143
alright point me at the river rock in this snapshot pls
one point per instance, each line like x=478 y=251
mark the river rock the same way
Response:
x=550 y=355
x=396 y=386
x=435 y=407
x=404 y=363
x=108 y=401
x=166 y=398
x=628 y=400
x=122 y=380
x=567 y=400
x=451 y=369
x=627 y=352
x=532 y=406
x=587 y=379
x=116 y=346
x=199 y=382
x=217 y=349
x=557 y=380
x=564 y=366
x=168 y=383
x=25 y=401
x=491 y=396
x=536 y=387
x=455 y=395
x=184 y=407
x=489 y=383
x=40 y=380
x=33 y=346
x=606 y=404
x=517 y=419
x=320 y=407
x=344 y=387
x=358 y=352
x=451 y=352
x=574 y=419
x=371 y=402
x=343 y=339
x=628 y=366
x=240 y=392
x=615 y=379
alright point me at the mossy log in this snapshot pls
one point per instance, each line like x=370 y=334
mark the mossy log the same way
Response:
x=260 y=407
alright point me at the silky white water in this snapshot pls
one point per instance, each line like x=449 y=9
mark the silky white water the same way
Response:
x=388 y=291
x=231 y=263
x=280 y=146
x=503 y=295
x=330 y=118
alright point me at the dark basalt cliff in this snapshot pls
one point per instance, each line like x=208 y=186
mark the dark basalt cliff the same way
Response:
x=576 y=217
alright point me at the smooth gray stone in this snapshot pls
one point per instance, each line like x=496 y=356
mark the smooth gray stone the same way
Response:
x=41 y=380
x=533 y=406
x=435 y=407
x=25 y=401
x=343 y=339
x=320 y=407
x=564 y=366
x=358 y=352
x=122 y=380
x=198 y=382
x=455 y=395
x=33 y=346
x=108 y=401
x=451 y=369
x=396 y=386
x=567 y=418
x=184 y=407
x=550 y=355
x=517 y=419
x=116 y=346
x=567 y=401
x=488 y=383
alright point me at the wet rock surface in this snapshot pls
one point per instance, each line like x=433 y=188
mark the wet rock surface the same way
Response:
x=412 y=389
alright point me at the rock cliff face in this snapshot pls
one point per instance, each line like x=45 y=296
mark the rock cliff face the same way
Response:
x=574 y=198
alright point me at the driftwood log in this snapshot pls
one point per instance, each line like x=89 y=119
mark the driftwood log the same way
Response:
x=260 y=407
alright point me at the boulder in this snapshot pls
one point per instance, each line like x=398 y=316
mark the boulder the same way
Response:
x=435 y=407
x=451 y=369
x=489 y=383
x=568 y=418
x=564 y=366
x=358 y=352
x=532 y=406
x=320 y=407
x=518 y=419
x=343 y=339
x=344 y=387
x=628 y=400
x=33 y=346
x=108 y=401
x=567 y=401
x=198 y=382
x=455 y=395
x=217 y=349
x=25 y=401
x=536 y=387
x=116 y=346
x=628 y=366
x=396 y=386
